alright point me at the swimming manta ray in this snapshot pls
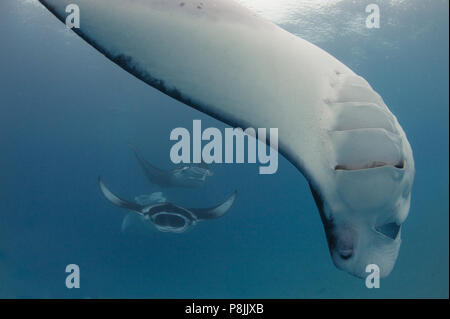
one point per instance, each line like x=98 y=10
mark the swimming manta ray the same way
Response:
x=168 y=217
x=224 y=60
x=186 y=176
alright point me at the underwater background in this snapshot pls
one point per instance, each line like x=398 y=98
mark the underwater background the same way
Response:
x=67 y=115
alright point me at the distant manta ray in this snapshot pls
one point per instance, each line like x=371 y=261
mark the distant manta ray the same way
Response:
x=226 y=61
x=189 y=176
x=168 y=217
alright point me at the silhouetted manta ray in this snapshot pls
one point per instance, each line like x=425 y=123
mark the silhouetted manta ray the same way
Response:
x=189 y=176
x=224 y=60
x=168 y=217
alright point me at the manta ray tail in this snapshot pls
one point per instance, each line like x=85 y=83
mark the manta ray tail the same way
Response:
x=118 y=201
x=216 y=211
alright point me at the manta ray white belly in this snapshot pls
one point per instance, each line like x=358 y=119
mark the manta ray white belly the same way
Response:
x=222 y=59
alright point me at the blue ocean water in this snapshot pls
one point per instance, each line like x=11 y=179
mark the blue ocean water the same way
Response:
x=67 y=115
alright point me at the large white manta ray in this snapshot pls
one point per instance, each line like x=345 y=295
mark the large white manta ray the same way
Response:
x=224 y=60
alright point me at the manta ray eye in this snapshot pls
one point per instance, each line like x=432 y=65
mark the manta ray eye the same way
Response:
x=390 y=230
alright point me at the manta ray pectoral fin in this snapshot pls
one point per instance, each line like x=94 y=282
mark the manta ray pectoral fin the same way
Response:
x=118 y=201
x=216 y=211
x=154 y=174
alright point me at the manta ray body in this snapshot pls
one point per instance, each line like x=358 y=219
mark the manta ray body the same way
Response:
x=190 y=176
x=168 y=217
x=222 y=59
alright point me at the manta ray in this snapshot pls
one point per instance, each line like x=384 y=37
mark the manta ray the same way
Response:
x=189 y=176
x=226 y=61
x=166 y=216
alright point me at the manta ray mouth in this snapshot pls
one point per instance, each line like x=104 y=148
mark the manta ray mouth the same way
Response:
x=170 y=222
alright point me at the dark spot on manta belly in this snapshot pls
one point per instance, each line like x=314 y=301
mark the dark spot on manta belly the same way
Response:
x=127 y=63
x=199 y=6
